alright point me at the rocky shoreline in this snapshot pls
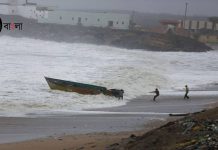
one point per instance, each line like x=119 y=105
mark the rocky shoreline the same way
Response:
x=196 y=131
x=100 y=36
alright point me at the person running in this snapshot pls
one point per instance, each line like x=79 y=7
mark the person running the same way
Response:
x=186 y=92
x=121 y=93
x=157 y=94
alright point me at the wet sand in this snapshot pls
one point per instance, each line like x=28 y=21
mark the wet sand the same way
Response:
x=64 y=131
x=95 y=141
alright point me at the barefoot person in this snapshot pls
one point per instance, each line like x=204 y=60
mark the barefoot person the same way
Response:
x=157 y=94
x=186 y=92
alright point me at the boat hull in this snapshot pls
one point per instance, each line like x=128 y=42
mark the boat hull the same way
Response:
x=57 y=84
x=81 y=88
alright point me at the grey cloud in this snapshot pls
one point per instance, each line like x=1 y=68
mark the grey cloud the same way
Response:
x=195 y=7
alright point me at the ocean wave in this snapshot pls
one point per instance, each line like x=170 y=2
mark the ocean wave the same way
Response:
x=24 y=62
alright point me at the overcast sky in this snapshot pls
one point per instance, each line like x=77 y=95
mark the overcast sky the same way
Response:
x=195 y=7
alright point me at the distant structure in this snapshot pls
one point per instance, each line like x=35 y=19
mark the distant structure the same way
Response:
x=205 y=31
x=170 y=25
x=96 y=19
x=198 y=25
x=53 y=15
x=191 y=25
x=23 y=8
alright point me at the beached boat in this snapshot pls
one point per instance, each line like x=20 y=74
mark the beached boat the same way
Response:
x=81 y=88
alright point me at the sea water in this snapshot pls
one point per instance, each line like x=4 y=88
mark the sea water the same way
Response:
x=24 y=62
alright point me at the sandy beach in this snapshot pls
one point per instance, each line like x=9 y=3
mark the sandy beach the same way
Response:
x=96 y=128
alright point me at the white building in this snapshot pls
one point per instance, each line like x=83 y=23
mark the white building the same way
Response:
x=22 y=8
x=47 y=15
x=96 y=19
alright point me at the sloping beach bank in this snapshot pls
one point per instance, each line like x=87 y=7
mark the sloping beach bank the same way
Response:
x=196 y=131
x=96 y=128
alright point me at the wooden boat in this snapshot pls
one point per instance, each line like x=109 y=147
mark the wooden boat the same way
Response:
x=70 y=86
x=81 y=88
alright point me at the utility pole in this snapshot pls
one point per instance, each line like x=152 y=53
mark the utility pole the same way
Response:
x=186 y=9
x=132 y=20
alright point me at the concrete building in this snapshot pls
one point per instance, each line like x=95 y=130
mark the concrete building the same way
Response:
x=197 y=25
x=170 y=26
x=95 y=19
x=22 y=8
x=201 y=24
x=53 y=15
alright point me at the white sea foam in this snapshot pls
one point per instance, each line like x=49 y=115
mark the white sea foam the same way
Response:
x=24 y=62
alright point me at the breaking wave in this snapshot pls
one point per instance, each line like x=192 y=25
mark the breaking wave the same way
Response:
x=24 y=62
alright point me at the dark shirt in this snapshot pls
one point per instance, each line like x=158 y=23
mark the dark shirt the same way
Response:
x=157 y=92
x=186 y=89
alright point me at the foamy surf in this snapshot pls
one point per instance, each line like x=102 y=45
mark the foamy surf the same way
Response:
x=24 y=62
